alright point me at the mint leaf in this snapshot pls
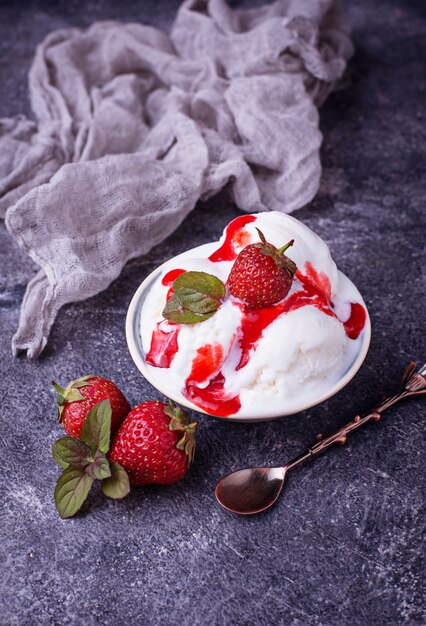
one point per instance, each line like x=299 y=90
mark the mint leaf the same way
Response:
x=71 y=490
x=71 y=451
x=174 y=311
x=96 y=430
x=117 y=486
x=200 y=287
x=196 y=297
x=99 y=469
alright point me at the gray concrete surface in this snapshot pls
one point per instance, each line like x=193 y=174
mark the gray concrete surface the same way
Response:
x=343 y=545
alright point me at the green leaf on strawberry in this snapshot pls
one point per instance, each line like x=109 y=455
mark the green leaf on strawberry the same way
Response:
x=117 y=486
x=66 y=395
x=179 y=421
x=71 y=490
x=81 y=382
x=96 y=430
x=196 y=297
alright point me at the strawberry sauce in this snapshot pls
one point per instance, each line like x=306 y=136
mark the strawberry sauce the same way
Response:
x=164 y=345
x=213 y=398
x=235 y=239
x=164 y=340
x=169 y=278
x=206 y=364
x=315 y=281
x=354 y=325
x=211 y=395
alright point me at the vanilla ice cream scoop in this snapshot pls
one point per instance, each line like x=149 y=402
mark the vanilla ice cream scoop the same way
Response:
x=247 y=363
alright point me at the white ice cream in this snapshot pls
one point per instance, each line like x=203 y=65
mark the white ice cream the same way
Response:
x=301 y=353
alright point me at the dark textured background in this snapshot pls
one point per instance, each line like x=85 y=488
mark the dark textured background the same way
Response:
x=342 y=547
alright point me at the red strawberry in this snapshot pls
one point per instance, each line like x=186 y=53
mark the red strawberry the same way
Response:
x=81 y=395
x=155 y=444
x=261 y=275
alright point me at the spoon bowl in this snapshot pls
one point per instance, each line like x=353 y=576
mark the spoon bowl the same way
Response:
x=250 y=490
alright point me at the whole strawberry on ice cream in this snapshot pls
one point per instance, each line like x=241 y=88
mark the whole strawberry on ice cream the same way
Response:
x=155 y=444
x=81 y=395
x=262 y=274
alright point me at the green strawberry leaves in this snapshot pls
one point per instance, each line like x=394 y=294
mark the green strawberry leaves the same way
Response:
x=85 y=460
x=70 y=393
x=81 y=382
x=196 y=297
x=180 y=421
x=66 y=394
x=280 y=259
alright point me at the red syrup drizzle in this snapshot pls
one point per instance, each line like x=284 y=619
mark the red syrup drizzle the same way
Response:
x=164 y=340
x=235 y=238
x=357 y=318
x=354 y=325
x=206 y=369
x=206 y=364
x=169 y=278
x=214 y=398
x=164 y=345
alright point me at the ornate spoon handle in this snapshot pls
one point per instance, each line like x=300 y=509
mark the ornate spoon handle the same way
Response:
x=413 y=384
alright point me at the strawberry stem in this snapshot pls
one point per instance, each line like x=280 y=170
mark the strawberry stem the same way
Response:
x=287 y=245
x=59 y=389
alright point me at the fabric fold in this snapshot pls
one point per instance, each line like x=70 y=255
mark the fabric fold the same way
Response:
x=134 y=125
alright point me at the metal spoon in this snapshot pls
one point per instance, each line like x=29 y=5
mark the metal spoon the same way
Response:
x=255 y=489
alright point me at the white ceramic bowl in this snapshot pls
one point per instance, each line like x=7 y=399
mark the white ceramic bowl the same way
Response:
x=134 y=342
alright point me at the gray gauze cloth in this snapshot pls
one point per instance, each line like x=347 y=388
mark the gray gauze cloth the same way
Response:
x=134 y=125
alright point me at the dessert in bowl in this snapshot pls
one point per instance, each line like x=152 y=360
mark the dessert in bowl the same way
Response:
x=235 y=358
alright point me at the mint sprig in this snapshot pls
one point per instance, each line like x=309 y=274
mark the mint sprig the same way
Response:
x=96 y=431
x=85 y=460
x=71 y=451
x=117 y=486
x=99 y=468
x=196 y=297
x=71 y=490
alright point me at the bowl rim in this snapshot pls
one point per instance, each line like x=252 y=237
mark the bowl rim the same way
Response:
x=134 y=343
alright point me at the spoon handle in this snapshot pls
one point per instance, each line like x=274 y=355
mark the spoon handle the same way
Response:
x=413 y=384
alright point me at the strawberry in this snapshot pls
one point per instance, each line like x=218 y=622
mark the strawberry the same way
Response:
x=80 y=396
x=261 y=275
x=155 y=444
